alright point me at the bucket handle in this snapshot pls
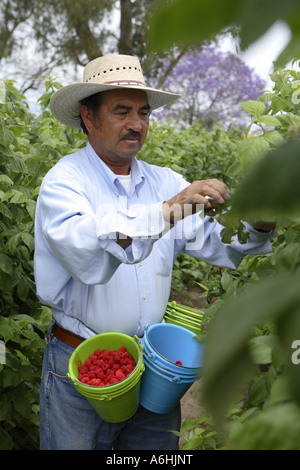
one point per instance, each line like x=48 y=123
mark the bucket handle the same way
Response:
x=169 y=377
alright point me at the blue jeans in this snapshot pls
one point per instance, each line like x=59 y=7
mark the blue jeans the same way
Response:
x=69 y=422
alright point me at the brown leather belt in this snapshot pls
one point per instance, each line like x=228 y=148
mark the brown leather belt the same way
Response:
x=66 y=336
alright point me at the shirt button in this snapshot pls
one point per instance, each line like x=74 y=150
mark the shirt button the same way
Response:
x=144 y=297
x=141 y=264
x=152 y=228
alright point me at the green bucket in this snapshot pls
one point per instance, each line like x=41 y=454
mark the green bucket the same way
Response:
x=113 y=403
x=195 y=328
x=184 y=316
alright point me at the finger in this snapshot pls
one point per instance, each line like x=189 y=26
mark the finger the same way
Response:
x=215 y=196
x=215 y=189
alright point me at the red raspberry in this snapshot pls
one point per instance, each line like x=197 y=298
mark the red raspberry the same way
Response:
x=95 y=382
x=120 y=375
x=86 y=380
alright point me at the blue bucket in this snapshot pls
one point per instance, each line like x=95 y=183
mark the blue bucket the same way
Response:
x=164 y=382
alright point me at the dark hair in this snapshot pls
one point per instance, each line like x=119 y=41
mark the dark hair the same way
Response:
x=93 y=103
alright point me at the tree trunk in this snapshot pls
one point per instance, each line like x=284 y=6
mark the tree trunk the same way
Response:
x=125 y=27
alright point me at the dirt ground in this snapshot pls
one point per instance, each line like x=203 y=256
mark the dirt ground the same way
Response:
x=191 y=406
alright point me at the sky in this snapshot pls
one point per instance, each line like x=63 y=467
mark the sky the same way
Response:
x=261 y=54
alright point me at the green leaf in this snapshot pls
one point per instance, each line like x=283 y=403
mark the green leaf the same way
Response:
x=269 y=120
x=290 y=52
x=22 y=403
x=189 y=21
x=6 y=180
x=286 y=90
x=274 y=138
x=5 y=409
x=28 y=240
x=6 y=442
x=13 y=242
x=227 y=234
x=226 y=280
x=7 y=330
x=280 y=391
x=271 y=188
x=16 y=197
x=4 y=210
x=278 y=104
x=193 y=443
x=17 y=164
x=7 y=137
x=23 y=288
x=6 y=264
x=260 y=349
x=253 y=107
x=251 y=150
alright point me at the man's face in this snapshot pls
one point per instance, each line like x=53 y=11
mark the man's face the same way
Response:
x=117 y=131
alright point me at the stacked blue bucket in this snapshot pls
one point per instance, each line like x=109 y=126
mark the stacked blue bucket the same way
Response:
x=165 y=381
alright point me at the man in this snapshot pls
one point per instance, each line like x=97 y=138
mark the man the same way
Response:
x=108 y=229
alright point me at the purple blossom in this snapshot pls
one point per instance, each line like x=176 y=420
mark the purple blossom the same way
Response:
x=212 y=84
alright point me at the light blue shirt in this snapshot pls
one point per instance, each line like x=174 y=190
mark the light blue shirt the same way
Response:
x=91 y=284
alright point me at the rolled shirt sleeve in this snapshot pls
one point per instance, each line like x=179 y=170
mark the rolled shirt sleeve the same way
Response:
x=208 y=246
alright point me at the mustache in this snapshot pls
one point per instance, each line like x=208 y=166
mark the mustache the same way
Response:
x=132 y=134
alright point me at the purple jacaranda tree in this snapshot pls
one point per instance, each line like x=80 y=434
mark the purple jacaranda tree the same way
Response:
x=212 y=84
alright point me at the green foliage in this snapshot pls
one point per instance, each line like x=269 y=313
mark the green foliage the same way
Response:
x=195 y=153
x=29 y=146
x=254 y=319
x=255 y=316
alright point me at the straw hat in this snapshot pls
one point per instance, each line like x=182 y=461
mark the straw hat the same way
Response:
x=105 y=73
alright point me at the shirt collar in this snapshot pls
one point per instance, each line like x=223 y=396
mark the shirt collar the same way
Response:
x=137 y=174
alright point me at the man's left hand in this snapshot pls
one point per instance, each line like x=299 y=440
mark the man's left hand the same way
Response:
x=262 y=226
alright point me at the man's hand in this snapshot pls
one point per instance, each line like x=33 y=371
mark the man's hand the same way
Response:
x=124 y=241
x=262 y=226
x=211 y=193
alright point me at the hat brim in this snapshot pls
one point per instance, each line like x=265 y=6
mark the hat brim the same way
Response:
x=65 y=103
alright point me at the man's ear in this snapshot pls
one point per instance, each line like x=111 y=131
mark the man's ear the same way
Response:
x=87 y=117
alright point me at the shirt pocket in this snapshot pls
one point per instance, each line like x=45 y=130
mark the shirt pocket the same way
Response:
x=163 y=256
x=164 y=271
